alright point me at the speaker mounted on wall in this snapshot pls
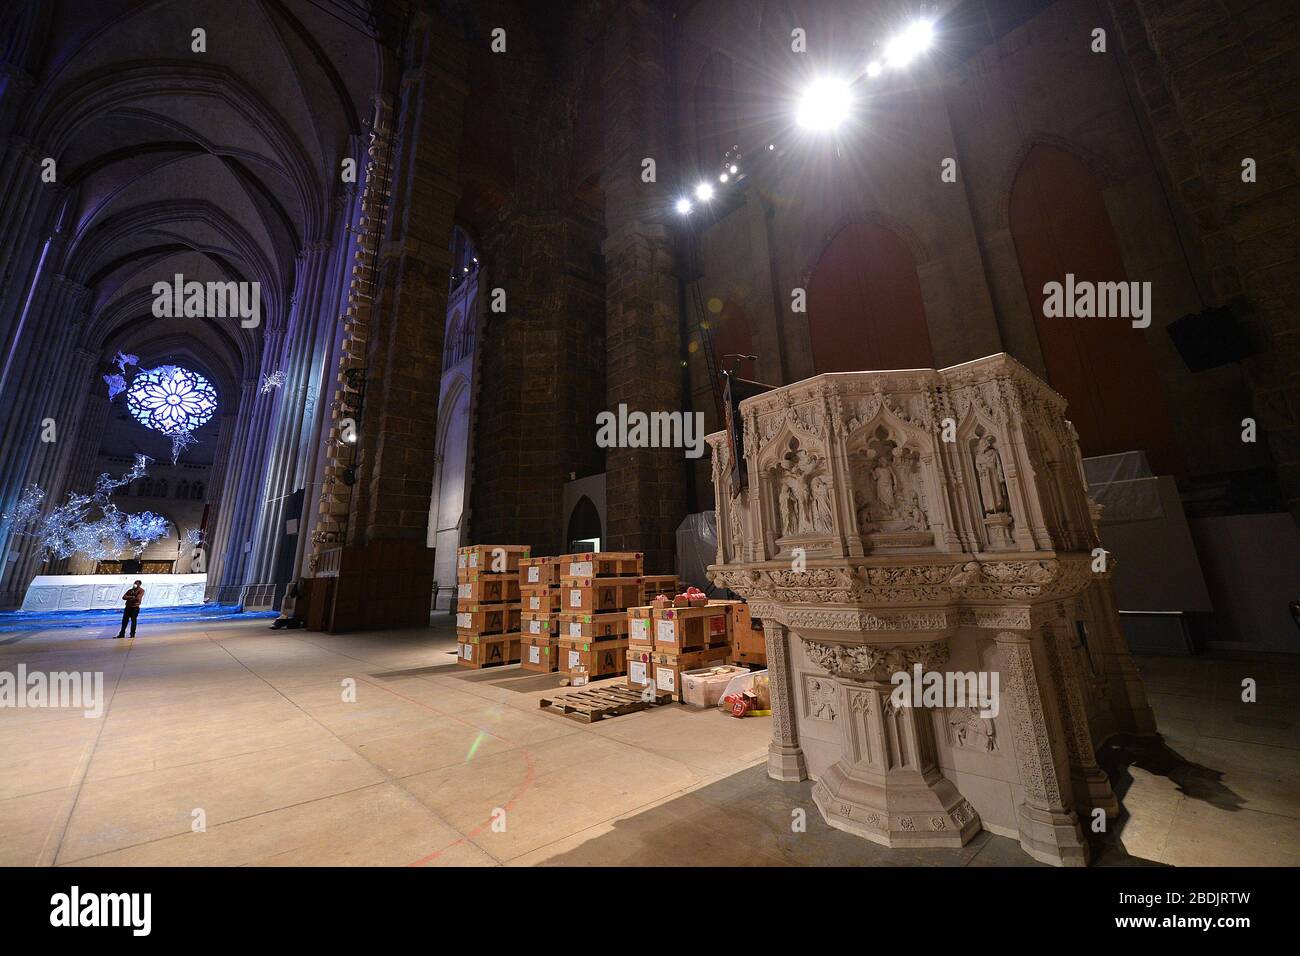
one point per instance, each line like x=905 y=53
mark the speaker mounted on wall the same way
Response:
x=1212 y=337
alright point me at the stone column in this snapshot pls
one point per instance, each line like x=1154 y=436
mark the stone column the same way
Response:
x=1049 y=829
x=313 y=452
x=289 y=409
x=220 y=544
x=887 y=786
x=1091 y=785
x=784 y=758
x=1127 y=693
x=385 y=574
x=645 y=487
x=50 y=461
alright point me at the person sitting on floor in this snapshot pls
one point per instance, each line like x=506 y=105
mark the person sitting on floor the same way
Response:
x=288 y=609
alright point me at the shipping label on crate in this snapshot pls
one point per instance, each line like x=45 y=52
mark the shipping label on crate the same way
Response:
x=582 y=569
x=666 y=631
x=534 y=653
x=575 y=658
x=473 y=559
x=666 y=679
x=534 y=602
x=467 y=651
x=636 y=672
x=638 y=629
x=464 y=619
x=575 y=629
x=575 y=597
x=534 y=574
x=463 y=591
x=461 y=559
x=535 y=627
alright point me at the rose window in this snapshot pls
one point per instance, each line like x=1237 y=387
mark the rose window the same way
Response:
x=171 y=399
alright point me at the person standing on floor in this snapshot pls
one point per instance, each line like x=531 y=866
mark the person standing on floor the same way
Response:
x=131 y=612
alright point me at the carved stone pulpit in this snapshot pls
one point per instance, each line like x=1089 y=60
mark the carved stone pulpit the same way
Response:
x=930 y=521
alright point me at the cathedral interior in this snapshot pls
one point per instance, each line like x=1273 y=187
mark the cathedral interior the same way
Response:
x=300 y=299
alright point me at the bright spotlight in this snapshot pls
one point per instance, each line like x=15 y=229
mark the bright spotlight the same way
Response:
x=703 y=192
x=874 y=68
x=909 y=44
x=684 y=206
x=825 y=105
x=723 y=178
x=734 y=169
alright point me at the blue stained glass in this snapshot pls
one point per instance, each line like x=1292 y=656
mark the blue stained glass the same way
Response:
x=171 y=399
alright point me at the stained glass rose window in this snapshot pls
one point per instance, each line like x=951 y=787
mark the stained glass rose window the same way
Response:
x=171 y=399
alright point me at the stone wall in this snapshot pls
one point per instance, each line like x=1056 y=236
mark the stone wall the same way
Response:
x=1217 y=81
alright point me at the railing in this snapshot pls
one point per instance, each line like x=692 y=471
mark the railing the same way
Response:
x=223 y=593
x=259 y=597
x=328 y=565
x=252 y=597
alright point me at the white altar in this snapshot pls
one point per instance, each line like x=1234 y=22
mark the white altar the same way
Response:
x=94 y=592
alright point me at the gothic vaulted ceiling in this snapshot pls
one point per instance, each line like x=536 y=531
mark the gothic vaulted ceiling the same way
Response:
x=218 y=165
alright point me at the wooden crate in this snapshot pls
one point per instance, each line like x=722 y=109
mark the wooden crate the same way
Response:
x=599 y=595
x=668 y=668
x=532 y=622
x=640 y=627
x=482 y=588
x=479 y=557
x=539 y=599
x=602 y=658
x=538 y=572
x=655 y=584
x=487 y=619
x=602 y=564
x=747 y=643
x=537 y=652
x=593 y=627
x=640 y=667
x=678 y=629
x=488 y=651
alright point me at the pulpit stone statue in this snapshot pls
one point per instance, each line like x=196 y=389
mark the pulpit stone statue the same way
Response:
x=871 y=547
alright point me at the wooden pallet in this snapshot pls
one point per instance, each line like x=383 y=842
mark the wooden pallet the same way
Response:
x=597 y=703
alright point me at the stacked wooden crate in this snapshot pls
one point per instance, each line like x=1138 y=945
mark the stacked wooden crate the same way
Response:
x=596 y=589
x=747 y=644
x=539 y=596
x=640 y=646
x=654 y=585
x=665 y=641
x=487 y=604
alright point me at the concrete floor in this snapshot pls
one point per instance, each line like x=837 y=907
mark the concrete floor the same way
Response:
x=250 y=727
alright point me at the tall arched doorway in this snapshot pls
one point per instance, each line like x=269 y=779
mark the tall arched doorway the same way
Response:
x=1101 y=365
x=584 y=524
x=864 y=304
